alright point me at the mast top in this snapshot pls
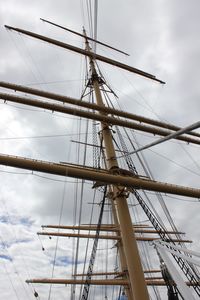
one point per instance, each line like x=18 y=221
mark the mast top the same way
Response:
x=87 y=53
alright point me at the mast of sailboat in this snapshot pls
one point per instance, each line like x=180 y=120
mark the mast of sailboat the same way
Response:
x=119 y=199
x=117 y=180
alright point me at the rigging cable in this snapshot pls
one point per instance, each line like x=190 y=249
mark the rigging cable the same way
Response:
x=11 y=281
x=94 y=249
x=5 y=247
x=89 y=14
x=87 y=245
x=57 y=239
x=76 y=253
x=95 y=22
x=191 y=157
x=10 y=34
x=20 y=250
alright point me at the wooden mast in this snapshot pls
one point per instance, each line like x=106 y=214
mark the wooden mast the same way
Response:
x=119 y=198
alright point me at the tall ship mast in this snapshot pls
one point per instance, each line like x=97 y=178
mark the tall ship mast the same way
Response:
x=112 y=235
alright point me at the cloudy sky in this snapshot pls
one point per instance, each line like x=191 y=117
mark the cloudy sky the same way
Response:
x=162 y=38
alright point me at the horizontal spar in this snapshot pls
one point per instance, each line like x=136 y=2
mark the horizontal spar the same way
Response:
x=93 y=116
x=86 y=53
x=112 y=273
x=93 y=228
x=106 y=237
x=97 y=175
x=104 y=109
x=149 y=282
x=81 y=35
x=81 y=281
x=114 y=226
x=80 y=235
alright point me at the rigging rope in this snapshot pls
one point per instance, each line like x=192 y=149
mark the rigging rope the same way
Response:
x=5 y=247
x=59 y=223
x=76 y=252
x=11 y=281
x=94 y=249
x=87 y=245
x=95 y=22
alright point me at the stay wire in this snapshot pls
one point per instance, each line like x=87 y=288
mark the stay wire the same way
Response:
x=191 y=157
x=75 y=248
x=89 y=15
x=57 y=239
x=11 y=281
x=172 y=161
x=5 y=247
x=31 y=57
x=15 y=241
x=176 y=198
x=95 y=22
x=80 y=206
x=94 y=249
x=40 y=136
x=87 y=245
x=11 y=34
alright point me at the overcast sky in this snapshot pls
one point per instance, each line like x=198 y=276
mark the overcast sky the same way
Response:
x=162 y=38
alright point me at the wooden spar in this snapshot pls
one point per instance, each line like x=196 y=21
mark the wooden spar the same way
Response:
x=99 y=274
x=154 y=278
x=80 y=235
x=92 y=228
x=115 y=226
x=106 y=237
x=81 y=227
x=152 y=271
x=81 y=281
x=149 y=282
x=113 y=273
x=163 y=283
x=108 y=110
x=96 y=175
x=81 y=35
x=86 y=53
x=93 y=116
